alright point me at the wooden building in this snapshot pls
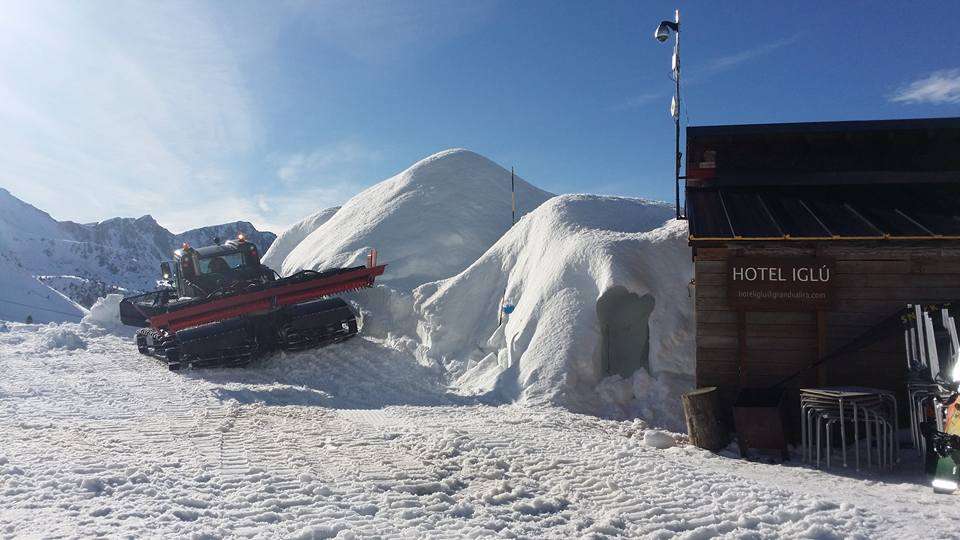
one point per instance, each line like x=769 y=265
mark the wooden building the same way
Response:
x=805 y=236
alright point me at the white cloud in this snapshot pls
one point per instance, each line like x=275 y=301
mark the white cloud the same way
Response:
x=322 y=163
x=939 y=87
x=263 y=205
x=155 y=107
x=121 y=111
x=292 y=207
x=305 y=183
x=322 y=178
x=731 y=61
x=273 y=212
x=637 y=101
x=382 y=31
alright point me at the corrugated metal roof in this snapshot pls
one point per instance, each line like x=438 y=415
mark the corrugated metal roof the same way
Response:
x=856 y=212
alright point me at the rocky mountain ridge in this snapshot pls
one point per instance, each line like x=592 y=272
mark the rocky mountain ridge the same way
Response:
x=86 y=261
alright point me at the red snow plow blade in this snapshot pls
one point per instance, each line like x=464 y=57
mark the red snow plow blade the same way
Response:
x=268 y=299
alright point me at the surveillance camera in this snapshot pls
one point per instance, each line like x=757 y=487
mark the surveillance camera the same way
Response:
x=662 y=33
x=663 y=30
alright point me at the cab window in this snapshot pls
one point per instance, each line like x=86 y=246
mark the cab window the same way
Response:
x=220 y=264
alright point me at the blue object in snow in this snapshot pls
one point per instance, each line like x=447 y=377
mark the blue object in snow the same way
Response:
x=508 y=308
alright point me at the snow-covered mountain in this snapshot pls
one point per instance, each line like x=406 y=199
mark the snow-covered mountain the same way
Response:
x=204 y=235
x=86 y=261
x=429 y=222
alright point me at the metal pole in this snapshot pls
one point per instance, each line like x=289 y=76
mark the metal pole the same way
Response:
x=513 y=221
x=513 y=200
x=676 y=119
x=677 y=166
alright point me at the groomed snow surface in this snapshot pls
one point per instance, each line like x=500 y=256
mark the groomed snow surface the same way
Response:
x=361 y=441
x=446 y=418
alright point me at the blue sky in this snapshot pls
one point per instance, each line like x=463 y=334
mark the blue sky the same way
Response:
x=266 y=111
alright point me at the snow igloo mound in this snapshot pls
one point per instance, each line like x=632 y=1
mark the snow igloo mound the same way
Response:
x=290 y=238
x=428 y=222
x=601 y=316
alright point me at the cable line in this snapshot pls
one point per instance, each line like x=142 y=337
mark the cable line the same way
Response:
x=42 y=308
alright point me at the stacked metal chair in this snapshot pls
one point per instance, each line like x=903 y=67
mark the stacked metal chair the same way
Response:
x=932 y=351
x=866 y=418
x=870 y=411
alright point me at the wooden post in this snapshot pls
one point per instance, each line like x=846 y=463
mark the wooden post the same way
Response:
x=705 y=427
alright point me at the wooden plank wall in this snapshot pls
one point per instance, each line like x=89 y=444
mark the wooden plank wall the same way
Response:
x=873 y=281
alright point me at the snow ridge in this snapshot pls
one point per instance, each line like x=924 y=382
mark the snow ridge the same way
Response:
x=290 y=238
x=429 y=222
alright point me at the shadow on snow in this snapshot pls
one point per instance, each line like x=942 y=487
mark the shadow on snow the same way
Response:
x=358 y=374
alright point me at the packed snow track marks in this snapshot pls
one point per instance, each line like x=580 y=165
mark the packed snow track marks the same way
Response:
x=99 y=441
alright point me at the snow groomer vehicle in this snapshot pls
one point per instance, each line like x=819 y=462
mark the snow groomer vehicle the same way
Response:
x=218 y=306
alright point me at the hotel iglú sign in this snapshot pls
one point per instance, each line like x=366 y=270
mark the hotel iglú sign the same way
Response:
x=780 y=284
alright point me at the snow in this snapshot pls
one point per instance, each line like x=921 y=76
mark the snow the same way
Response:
x=291 y=238
x=60 y=337
x=22 y=295
x=568 y=265
x=441 y=420
x=429 y=222
x=93 y=484
x=84 y=291
x=655 y=438
x=360 y=440
x=558 y=266
x=105 y=313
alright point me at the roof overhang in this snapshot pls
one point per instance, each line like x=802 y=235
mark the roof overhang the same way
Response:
x=825 y=213
x=825 y=181
x=825 y=153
